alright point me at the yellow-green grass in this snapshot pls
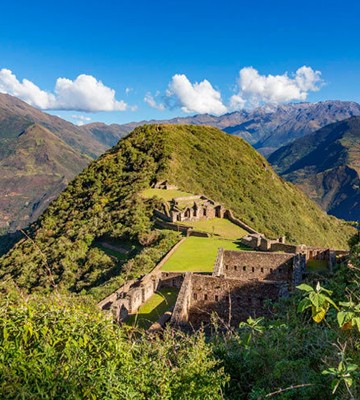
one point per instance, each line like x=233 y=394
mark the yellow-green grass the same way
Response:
x=154 y=308
x=164 y=194
x=317 y=265
x=218 y=226
x=198 y=254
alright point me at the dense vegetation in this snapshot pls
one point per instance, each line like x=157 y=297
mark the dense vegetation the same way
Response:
x=105 y=201
x=63 y=347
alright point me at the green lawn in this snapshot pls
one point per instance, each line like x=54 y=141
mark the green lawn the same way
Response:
x=218 y=226
x=316 y=265
x=154 y=308
x=198 y=254
x=166 y=195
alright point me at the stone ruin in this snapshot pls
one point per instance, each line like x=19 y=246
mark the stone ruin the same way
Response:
x=191 y=209
x=258 y=241
x=242 y=284
x=201 y=208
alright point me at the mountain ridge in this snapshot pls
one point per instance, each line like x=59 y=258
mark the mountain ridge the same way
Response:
x=267 y=127
x=34 y=172
x=326 y=166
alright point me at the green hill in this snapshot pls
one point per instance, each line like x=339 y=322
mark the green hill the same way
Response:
x=105 y=201
x=326 y=166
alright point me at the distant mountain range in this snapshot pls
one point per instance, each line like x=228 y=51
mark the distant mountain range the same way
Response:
x=266 y=128
x=41 y=153
x=326 y=166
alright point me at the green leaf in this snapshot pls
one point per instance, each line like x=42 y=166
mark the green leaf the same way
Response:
x=343 y=317
x=349 y=381
x=317 y=299
x=352 y=367
x=304 y=304
x=331 y=302
x=356 y=321
x=305 y=287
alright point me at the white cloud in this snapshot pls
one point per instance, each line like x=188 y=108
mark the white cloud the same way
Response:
x=151 y=101
x=236 y=103
x=128 y=90
x=85 y=93
x=81 y=119
x=25 y=90
x=198 y=97
x=256 y=89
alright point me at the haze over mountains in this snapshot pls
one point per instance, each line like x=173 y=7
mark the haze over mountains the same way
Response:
x=326 y=166
x=266 y=128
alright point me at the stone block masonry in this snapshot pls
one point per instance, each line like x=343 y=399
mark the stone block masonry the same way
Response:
x=231 y=300
x=243 y=284
x=252 y=265
x=180 y=315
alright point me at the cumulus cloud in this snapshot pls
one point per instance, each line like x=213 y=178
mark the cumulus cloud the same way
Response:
x=258 y=89
x=236 y=103
x=151 y=101
x=85 y=93
x=25 y=90
x=195 y=97
x=81 y=119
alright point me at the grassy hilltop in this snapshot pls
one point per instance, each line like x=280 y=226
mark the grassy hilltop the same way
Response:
x=65 y=246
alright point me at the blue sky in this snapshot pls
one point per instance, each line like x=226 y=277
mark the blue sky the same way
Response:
x=160 y=49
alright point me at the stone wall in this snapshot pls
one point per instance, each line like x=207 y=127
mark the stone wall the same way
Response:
x=129 y=297
x=250 y=265
x=180 y=314
x=232 y=300
x=194 y=232
x=165 y=185
x=172 y=226
x=188 y=198
x=219 y=263
x=286 y=248
x=171 y=279
x=260 y=242
x=252 y=241
x=230 y=216
x=162 y=216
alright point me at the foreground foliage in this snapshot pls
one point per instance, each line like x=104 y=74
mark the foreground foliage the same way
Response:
x=64 y=348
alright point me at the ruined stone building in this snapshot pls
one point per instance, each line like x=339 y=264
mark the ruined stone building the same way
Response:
x=242 y=284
